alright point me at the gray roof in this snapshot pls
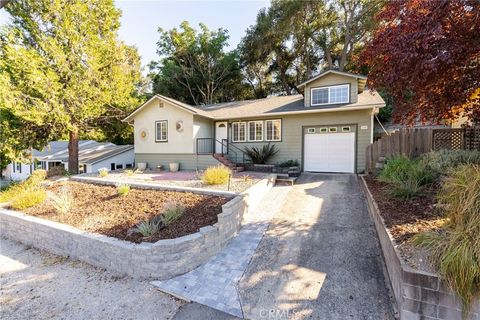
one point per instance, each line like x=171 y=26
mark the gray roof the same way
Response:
x=89 y=151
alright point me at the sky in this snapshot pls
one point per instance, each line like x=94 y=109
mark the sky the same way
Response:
x=141 y=19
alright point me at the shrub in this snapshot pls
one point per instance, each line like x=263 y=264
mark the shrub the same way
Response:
x=56 y=171
x=171 y=212
x=443 y=160
x=289 y=163
x=63 y=202
x=455 y=251
x=129 y=172
x=103 y=172
x=29 y=198
x=407 y=177
x=15 y=189
x=37 y=177
x=216 y=175
x=148 y=228
x=123 y=189
x=261 y=155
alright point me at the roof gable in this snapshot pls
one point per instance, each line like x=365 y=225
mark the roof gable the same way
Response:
x=322 y=74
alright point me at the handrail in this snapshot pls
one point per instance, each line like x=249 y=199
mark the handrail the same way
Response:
x=228 y=145
x=207 y=146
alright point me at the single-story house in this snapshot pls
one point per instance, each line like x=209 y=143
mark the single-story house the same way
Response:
x=326 y=129
x=92 y=156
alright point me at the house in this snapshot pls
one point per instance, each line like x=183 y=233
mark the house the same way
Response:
x=92 y=156
x=326 y=129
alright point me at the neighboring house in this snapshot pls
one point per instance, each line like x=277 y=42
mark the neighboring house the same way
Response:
x=92 y=156
x=326 y=129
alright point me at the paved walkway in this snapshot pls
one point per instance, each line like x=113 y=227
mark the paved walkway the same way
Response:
x=320 y=257
x=215 y=283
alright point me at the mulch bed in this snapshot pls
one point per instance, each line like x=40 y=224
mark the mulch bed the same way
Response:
x=406 y=217
x=99 y=209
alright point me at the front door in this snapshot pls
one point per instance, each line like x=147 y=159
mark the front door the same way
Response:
x=221 y=133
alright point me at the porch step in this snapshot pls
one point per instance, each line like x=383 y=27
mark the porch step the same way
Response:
x=286 y=181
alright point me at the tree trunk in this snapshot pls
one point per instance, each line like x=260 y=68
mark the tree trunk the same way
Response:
x=73 y=151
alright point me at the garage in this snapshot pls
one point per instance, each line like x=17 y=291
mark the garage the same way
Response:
x=329 y=150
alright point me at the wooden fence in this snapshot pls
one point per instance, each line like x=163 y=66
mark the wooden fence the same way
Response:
x=414 y=142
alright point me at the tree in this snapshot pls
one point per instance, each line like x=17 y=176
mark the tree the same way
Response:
x=194 y=66
x=426 y=56
x=293 y=40
x=65 y=67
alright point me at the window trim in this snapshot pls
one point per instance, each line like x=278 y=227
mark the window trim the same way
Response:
x=329 y=95
x=255 y=128
x=266 y=130
x=233 y=133
x=156 y=129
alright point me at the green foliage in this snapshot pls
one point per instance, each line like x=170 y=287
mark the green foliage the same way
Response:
x=63 y=70
x=29 y=198
x=123 y=189
x=289 y=163
x=455 y=251
x=148 y=228
x=172 y=212
x=195 y=68
x=103 y=172
x=407 y=177
x=129 y=172
x=56 y=171
x=63 y=202
x=216 y=175
x=444 y=160
x=15 y=189
x=261 y=155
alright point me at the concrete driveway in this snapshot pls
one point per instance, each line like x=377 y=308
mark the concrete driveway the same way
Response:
x=319 y=259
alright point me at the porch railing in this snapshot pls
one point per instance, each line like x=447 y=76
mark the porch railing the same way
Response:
x=208 y=146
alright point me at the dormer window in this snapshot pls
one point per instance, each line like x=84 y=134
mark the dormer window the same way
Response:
x=330 y=95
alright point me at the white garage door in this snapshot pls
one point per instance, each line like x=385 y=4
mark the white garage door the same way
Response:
x=330 y=152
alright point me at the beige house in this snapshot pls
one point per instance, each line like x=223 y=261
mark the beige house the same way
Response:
x=326 y=129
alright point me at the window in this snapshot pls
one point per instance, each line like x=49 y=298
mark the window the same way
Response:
x=161 y=131
x=112 y=166
x=332 y=129
x=345 y=129
x=239 y=131
x=128 y=166
x=19 y=167
x=119 y=166
x=311 y=130
x=323 y=130
x=274 y=130
x=255 y=131
x=330 y=95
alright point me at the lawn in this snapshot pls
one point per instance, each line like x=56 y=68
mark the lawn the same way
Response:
x=102 y=210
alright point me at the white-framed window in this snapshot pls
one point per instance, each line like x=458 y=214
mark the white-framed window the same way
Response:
x=332 y=129
x=311 y=130
x=346 y=129
x=330 y=95
x=255 y=130
x=323 y=129
x=161 y=131
x=273 y=130
x=239 y=132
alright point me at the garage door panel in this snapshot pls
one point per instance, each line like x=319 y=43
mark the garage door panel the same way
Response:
x=330 y=152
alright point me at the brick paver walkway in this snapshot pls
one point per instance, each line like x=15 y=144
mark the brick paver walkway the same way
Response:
x=215 y=283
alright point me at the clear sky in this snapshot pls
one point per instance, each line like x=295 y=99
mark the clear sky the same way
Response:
x=141 y=19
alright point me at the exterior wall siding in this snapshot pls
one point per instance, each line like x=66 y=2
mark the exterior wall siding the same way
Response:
x=187 y=161
x=123 y=158
x=291 y=145
x=202 y=128
x=333 y=79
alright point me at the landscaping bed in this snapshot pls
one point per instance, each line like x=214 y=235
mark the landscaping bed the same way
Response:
x=101 y=210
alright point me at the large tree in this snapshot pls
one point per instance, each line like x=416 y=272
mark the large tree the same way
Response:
x=293 y=40
x=64 y=69
x=194 y=66
x=426 y=56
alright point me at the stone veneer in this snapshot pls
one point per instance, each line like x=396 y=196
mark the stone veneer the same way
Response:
x=418 y=294
x=161 y=260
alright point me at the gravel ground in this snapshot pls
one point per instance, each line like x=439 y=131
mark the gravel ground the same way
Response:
x=38 y=285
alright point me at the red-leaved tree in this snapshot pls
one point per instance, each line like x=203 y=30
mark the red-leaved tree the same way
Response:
x=426 y=55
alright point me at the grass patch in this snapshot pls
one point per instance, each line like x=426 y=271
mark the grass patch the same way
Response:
x=29 y=198
x=63 y=202
x=216 y=175
x=16 y=189
x=444 y=160
x=103 y=172
x=455 y=250
x=123 y=189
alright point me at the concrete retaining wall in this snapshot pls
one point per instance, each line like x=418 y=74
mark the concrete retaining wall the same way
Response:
x=161 y=260
x=419 y=295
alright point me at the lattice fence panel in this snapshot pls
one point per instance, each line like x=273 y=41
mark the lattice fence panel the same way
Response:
x=451 y=139
x=472 y=138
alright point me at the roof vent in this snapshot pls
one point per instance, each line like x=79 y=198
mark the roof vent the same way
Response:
x=160 y=104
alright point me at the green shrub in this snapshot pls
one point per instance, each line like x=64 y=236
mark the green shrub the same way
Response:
x=129 y=172
x=261 y=155
x=29 y=198
x=289 y=163
x=455 y=251
x=216 y=175
x=171 y=212
x=123 y=189
x=442 y=161
x=407 y=177
x=56 y=171
x=15 y=189
x=148 y=228
x=63 y=202
x=103 y=172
